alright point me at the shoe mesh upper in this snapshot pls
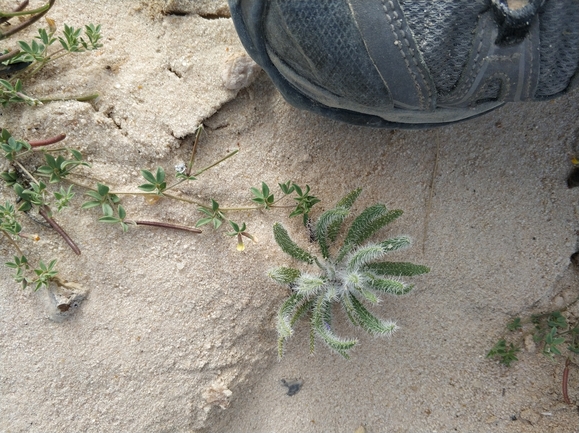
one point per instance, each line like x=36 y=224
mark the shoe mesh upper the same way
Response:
x=443 y=30
x=559 y=46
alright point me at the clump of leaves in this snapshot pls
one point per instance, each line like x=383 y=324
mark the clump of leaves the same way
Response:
x=552 y=331
x=506 y=354
x=350 y=277
x=23 y=62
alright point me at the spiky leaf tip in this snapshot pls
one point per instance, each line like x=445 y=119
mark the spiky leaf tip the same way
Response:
x=284 y=275
x=403 y=269
x=348 y=200
x=395 y=244
x=290 y=247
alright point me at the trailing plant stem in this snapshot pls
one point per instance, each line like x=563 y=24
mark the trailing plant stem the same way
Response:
x=14 y=244
x=44 y=212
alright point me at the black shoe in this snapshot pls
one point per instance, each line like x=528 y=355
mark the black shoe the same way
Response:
x=411 y=63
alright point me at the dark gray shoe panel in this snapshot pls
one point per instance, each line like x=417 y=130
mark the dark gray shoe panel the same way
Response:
x=559 y=47
x=411 y=63
x=319 y=42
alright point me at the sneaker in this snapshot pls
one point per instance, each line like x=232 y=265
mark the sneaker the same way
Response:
x=411 y=63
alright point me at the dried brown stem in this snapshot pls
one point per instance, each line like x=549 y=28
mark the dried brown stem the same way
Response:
x=165 y=225
x=9 y=55
x=43 y=211
x=47 y=141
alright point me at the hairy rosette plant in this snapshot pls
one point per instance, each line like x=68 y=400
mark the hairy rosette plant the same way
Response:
x=352 y=276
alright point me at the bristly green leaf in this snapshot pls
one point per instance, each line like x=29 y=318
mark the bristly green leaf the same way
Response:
x=284 y=275
x=393 y=287
x=363 y=256
x=368 y=321
x=403 y=269
x=308 y=284
x=290 y=247
x=349 y=199
x=321 y=321
x=329 y=217
x=284 y=325
x=346 y=202
x=366 y=224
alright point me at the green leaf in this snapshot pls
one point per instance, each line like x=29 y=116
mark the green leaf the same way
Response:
x=103 y=190
x=90 y=204
x=290 y=247
x=203 y=221
x=396 y=269
x=148 y=176
x=284 y=324
x=505 y=354
x=349 y=199
x=147 y=187
x=514 y=324
x=321 y=317
x=160 y=177
x=109 y=219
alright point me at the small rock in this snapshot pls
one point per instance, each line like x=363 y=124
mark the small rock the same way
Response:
x=530 y=416
x=63 y=298
x=360 y=429
x=240 y=71
x=293 y=385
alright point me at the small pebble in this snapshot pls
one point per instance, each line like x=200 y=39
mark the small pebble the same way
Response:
x=293 y=386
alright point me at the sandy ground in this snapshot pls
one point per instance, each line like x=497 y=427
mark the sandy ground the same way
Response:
x=177 y=334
